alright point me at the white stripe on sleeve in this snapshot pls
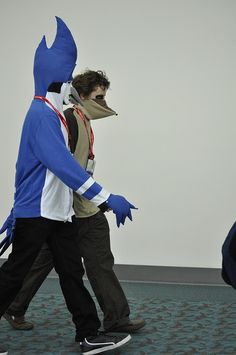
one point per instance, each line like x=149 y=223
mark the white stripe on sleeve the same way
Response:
x=83 y=188
x=101 y=197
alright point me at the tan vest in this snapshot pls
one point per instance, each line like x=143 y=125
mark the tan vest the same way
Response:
x=83 y=207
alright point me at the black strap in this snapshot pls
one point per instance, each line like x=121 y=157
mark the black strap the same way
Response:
x=73 y=127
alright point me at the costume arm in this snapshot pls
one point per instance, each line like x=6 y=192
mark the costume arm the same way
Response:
x=49 y=147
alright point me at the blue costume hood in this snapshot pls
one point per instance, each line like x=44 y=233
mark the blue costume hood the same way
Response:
x=54 y=64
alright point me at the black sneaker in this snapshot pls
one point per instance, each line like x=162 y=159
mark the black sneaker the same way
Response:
x=102 y=342
x=3 y=351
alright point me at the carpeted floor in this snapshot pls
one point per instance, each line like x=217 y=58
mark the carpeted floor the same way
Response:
x=181 y=320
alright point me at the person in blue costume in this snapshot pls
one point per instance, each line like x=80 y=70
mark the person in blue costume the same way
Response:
x=46 y=176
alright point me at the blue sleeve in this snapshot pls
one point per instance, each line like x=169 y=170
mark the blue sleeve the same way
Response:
x=50 y=149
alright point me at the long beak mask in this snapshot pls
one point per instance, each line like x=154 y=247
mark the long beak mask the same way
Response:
x=92 y=108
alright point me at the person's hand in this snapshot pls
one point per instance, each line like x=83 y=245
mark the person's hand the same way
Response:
x=120 y=207
x=8 y=226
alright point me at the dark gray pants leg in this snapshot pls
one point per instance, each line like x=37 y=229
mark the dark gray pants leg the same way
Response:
x=40 y=269
x=94 y=244
x=27 y=243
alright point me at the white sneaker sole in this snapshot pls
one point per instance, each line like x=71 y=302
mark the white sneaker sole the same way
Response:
x=109 y=347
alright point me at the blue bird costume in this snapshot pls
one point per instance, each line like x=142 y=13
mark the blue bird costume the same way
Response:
x=46 y=172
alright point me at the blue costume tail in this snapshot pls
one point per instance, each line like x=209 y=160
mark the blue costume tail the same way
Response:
x=8 y=226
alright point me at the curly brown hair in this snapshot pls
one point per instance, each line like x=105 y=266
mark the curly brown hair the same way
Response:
x=87 y=82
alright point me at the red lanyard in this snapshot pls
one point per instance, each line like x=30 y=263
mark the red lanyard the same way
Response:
x=63 y=120
x=91 y=136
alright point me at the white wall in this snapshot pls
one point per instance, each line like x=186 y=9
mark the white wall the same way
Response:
x=172 y=149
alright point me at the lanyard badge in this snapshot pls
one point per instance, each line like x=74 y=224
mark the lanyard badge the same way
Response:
x=90 y=166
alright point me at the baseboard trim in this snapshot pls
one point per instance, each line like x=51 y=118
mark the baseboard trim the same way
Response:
x=169 y=274
x=163 y=274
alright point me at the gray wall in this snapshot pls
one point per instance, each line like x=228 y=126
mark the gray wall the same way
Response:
x=171 y=149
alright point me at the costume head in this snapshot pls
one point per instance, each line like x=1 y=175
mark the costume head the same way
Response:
x=54 y=64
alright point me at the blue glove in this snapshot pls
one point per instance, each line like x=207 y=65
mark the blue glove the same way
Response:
x=121 y=207
x=8 y=226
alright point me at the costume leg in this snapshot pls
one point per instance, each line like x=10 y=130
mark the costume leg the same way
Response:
x=94 y=243
x=29 y=236
x=41 y=267
x=68 y=265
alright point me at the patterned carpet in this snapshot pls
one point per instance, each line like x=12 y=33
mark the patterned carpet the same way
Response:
x=177 y=323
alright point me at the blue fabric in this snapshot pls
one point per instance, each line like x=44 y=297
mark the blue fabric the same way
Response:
x=229 y=258
x=54 y=64
x=120 y=207
x=89 y=193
